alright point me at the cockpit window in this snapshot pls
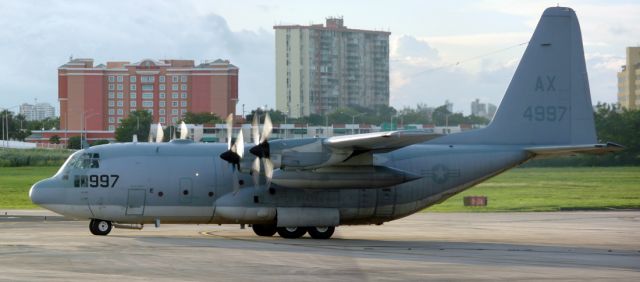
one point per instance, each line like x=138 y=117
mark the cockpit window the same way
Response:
x=85 y=161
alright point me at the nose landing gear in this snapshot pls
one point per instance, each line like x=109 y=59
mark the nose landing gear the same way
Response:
x=100 y=227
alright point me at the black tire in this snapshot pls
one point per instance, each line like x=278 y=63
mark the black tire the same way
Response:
x=265 y=230
x=291 y=232
x=100 y=227
x=321 y=232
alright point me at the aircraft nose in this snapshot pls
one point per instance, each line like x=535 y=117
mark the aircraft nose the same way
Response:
x=37 y=193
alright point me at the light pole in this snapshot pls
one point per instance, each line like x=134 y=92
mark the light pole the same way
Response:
x=353 y=121
x=83 y=133
x=5 y=125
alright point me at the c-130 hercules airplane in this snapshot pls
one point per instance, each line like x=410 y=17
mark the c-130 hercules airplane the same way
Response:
x=313 y=185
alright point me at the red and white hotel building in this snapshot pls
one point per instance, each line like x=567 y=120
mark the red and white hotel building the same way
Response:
x=94 y=99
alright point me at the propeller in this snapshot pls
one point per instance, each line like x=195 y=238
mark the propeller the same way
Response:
x=234 y=152
x=184 y=131
x=159 y=133
x=261 y=149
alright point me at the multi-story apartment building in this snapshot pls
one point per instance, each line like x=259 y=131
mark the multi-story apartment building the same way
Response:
x=37 y=111
x=629 y=80
x=99 y=97
x=322 y=68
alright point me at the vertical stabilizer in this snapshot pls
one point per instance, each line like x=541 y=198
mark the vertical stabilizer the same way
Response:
x=548 y=100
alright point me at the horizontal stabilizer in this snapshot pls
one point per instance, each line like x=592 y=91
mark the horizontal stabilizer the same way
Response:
x=576 y=149
x=379 y=141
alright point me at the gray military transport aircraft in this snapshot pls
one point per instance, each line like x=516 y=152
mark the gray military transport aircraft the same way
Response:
x=313 y=185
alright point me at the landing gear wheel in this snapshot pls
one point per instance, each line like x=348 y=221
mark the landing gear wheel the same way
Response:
x=291 y=232
x=266 y=230
x=100 y=227
x=321 y=232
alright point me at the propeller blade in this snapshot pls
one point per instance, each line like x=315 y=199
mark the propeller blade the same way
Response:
x=159 y=134
x=268 y=171
x=255 y=134
x=184 y=131
x=255 y=172
x=266 y=128
x=239 y=145
x=229 y=130
x=236 y=180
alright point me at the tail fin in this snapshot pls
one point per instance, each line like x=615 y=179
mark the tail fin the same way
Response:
x=548 y=100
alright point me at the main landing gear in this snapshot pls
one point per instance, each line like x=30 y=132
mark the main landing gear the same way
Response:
x=316 y=232
x=100 y=227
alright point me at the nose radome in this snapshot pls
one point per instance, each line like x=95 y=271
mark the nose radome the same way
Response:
x=36 y=193
x=33 y=194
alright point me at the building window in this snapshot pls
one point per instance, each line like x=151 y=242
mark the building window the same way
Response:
x=150 y=111
x=183 y=111
x=174 y=95
x=161 y=104
x=161 y=112
x=147 y=79
x=183 y=95
x=161 y=119
x=112 y=87
x=174 y=87
x=119 y=120
x=183 y=104
x=161 y=79
x=147 y=87
x=147 y=95
x=132 y=79
x=120 y=87
x=112 y=78
x=162 y=95
x=112 y=128
x=184 y=78
x=111 y=104
x=120 y=112
x=111 y=95
x=147 y=103
x=112 y=120
x=174 y=78
x=132 y=87
x=162 y=87
x=132 y=95
x=120 y=103
x=112 y=112
x=174 y=112
x=174 y=120
x=183 y=87
x=174 y=103
x=120 y=95
x=133 y=104
x=119 y=78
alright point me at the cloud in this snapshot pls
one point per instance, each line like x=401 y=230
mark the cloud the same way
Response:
x=135 y=31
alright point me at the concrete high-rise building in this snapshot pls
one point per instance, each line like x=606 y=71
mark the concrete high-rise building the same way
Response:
x=322 y=68
x=37 y=111
x=629 y=80
x=491 y=111
x=99 y=97
x=478 y=109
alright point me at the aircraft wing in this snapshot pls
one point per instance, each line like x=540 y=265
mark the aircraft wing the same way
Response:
x=379 y=141
x=576 y=149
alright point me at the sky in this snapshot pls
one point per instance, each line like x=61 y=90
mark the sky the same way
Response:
x=439 y=50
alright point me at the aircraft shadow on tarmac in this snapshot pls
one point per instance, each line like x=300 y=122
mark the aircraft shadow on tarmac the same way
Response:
x=477 y=253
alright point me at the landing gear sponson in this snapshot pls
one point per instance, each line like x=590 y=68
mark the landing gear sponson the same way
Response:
x=103 y=227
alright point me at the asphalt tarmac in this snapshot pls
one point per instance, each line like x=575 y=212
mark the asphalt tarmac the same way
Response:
x=574 y=246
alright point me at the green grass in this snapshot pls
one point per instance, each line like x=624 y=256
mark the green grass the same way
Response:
x=33 y=157
x=554 y=189
x=522 y=189
x=15 y=183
